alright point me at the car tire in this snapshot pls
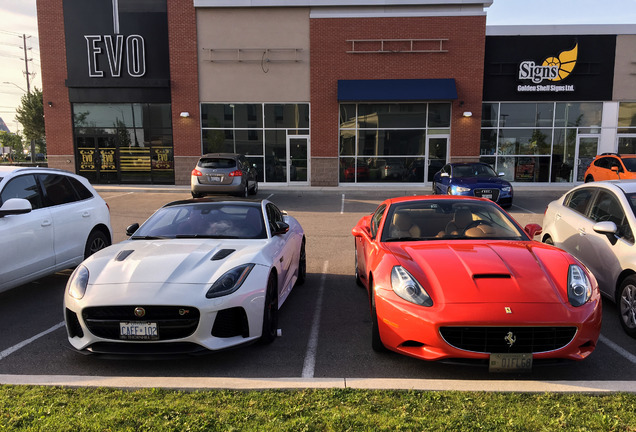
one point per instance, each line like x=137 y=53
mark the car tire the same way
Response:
x=97 y=241
x=357 y=272
x=302 y=265
x=376 y=340
x=245 y=192
x=589 y=179
x=548 y=240
x=196 y=195
x=434 y=189
x=270 y=311
x=626 y=305
x=254 y=190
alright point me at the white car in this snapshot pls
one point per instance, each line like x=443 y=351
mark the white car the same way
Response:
x=198 y=275
x=595 y=222
x=50 y=220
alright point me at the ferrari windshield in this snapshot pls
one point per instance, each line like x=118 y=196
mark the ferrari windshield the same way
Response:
x=448 y=219
x=205 y=220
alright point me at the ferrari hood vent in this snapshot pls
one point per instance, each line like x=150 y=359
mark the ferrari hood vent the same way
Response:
x=123 y=255
x=492 y=276
x=223 y=253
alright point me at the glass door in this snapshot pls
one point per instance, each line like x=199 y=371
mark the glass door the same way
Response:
x=586 y=149
x=436 y=154
x=297 y=162
x=97 y=159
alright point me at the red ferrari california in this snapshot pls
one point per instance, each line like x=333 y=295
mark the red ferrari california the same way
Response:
x=456 y=277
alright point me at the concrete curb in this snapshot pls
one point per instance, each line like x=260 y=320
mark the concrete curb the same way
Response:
x=204 y=383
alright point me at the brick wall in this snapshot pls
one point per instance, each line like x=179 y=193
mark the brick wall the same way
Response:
x=58 y=122
x=330 y=62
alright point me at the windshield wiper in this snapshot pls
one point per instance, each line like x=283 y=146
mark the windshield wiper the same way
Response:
x=206 y=236
x=405 y=239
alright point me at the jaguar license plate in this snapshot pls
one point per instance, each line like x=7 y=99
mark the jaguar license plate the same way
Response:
x=138 y=331
x=504 y=362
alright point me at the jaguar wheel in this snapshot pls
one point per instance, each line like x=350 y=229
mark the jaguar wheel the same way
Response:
x=270 y=311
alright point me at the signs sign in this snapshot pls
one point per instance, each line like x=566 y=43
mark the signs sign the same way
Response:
x=527 y=68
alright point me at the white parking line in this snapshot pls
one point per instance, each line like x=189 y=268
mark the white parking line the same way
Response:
x=117 y=196
x=342 y=204
x=22 y=344
x=312 y=345
x=524 y=209
x=620 y=350
x=269 y=197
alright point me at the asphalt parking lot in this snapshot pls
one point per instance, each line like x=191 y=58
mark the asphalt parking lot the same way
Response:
x=325 y=324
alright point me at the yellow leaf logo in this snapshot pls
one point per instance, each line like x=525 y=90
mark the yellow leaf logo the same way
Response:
x=565 y=62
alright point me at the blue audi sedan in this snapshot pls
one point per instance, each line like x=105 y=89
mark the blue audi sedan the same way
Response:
x=473 y=179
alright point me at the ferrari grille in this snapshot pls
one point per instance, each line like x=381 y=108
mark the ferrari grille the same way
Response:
x=173 y=322
x=488 y=192
x=508 y=339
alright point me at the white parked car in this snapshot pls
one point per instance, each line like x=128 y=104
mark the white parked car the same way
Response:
x=50 y=220
x=595 y=222
x=198 y=275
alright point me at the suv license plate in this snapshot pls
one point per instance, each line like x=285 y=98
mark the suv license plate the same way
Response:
x=501 y=362
x=138 y=331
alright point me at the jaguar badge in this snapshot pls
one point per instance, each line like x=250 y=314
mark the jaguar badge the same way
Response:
x=140 y=312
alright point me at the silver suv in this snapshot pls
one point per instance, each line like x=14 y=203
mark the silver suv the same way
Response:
x=223 y=173
x=595 y=222
x=50 y=220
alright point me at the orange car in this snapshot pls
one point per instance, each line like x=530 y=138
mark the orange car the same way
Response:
x=611 y=166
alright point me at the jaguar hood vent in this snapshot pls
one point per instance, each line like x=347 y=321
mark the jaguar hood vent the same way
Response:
x=123 y=255
x=223 y=253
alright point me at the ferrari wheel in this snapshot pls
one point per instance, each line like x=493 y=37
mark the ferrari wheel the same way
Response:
x=302 y=265
x=357 y=272
x=270 y=313
x=376 y=341
x=626 y=302
x=96 y=242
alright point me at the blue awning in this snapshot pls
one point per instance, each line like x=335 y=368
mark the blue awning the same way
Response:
x=396 y=90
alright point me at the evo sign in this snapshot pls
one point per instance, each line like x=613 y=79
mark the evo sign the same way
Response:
x=112 y=46
x=116 y=43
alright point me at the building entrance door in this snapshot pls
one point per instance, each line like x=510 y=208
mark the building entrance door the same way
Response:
x=297 y=161
x=436 y=154
x=586 y=150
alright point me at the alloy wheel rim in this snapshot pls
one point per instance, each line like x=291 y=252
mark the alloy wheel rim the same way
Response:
x=628 y=306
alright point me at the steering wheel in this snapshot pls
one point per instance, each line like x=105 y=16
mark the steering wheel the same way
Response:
x=474 y=224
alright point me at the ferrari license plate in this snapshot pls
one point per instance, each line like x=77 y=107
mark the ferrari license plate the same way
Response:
x=138 y=331
x=503 y=362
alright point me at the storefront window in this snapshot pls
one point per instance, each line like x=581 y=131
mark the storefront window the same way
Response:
x=537 y=142
x=124 y=143
x=390 y=140
x=259 y=131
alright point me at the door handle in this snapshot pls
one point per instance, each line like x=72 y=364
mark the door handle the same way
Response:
x=281 y=259
x=86 y=214
x=46 y=222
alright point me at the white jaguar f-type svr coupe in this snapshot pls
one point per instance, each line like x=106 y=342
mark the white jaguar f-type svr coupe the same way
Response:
x=199 y=275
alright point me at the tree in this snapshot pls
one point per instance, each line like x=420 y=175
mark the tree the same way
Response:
x=31 y=116
x=14 y=142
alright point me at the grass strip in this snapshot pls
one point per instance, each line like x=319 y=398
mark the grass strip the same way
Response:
x=30 y=408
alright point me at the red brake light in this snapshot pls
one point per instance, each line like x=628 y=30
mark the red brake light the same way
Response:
x=196 y=173
x=236 y=173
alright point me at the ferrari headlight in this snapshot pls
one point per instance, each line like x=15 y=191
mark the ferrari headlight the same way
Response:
x=230 y=281
x=78 y=282
x=459 y=189
x=408 y=288
x=579 y=286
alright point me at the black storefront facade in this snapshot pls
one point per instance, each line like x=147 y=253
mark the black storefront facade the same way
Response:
x=550 y=102
x=119 y=89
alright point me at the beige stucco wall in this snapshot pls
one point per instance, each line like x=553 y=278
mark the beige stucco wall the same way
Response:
x=255 y=80
x=625 y=68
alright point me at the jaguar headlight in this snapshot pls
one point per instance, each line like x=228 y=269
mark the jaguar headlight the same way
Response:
x=579 y=286
x=405 y=286
x=78 y=282
x=230 y=281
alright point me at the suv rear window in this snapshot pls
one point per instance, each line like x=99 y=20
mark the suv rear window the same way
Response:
x=217 y=163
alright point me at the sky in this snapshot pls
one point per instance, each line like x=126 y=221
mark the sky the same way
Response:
x=18 y=17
